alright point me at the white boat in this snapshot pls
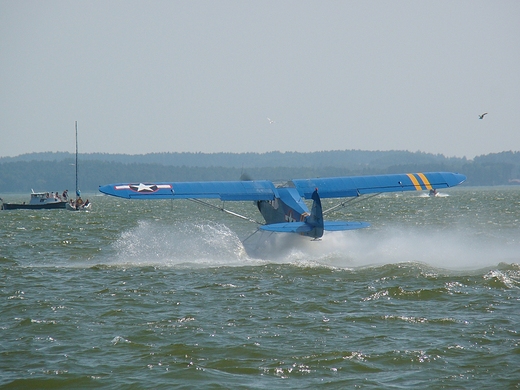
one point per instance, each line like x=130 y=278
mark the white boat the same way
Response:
x=73 y=205
x=78 y=204
x=39 y=200
x=434 y=194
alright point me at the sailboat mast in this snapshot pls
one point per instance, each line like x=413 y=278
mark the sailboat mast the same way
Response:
x=77 y=192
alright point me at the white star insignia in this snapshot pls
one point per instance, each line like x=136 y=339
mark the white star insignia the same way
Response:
x=145 y=187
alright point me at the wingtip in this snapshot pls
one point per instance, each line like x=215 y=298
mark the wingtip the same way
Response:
x=460 y=178
x=105 y=189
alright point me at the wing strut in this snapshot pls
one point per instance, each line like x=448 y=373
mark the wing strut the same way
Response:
x=344 y=204
x=224 y=210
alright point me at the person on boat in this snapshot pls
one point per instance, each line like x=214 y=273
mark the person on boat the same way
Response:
x=86 y=203
x=65 y=194
x=79 y=202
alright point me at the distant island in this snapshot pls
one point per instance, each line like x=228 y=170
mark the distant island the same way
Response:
x=54 y=171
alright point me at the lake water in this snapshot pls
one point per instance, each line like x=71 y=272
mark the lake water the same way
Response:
x=162 y=294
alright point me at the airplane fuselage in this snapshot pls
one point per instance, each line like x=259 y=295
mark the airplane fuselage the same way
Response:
x=289 y=207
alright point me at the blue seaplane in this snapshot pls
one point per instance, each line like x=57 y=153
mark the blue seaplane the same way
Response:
x=282 y=206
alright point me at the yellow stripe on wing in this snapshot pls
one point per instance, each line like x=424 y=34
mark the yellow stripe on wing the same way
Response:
x=414 y=181
x=425 y=181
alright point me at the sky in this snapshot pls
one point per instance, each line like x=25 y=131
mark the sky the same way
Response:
x=205 y=76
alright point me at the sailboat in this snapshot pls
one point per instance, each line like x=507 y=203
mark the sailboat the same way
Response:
x=78 y=204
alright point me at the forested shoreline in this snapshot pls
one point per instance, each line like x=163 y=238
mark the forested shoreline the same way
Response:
x=56 y=171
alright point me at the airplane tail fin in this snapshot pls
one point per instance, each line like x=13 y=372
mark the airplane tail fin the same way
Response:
x=315 y=220
x=314 y=225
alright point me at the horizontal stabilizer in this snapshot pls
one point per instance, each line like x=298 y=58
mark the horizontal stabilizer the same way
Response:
x=302 y=227
x=287 y=227
x=334 y=226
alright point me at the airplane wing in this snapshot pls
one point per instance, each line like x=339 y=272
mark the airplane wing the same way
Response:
x=331 y=187
x=350 y=186
x=224 y=190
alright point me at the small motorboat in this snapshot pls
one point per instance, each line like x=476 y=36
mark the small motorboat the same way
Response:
x=39 y=200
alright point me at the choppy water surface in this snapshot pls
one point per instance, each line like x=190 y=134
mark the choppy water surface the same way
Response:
x=144 y=294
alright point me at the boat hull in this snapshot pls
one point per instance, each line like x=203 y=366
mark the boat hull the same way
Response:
x=27 y=206
x=71 y=207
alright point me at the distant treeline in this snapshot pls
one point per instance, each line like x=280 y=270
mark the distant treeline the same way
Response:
x=56 y=171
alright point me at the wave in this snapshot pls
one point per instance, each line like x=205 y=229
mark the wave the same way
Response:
x=180 y=244
x=203 y=244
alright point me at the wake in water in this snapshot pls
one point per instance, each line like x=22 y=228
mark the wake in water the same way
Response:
x=449 y=249
x=211 y=245
x=439 y=195
x=191 y=244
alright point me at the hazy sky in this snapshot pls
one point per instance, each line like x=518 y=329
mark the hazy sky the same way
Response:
x=204 y=76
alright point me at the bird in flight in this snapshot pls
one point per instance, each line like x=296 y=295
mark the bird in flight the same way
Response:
x=482 y=116
x=270 y=121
